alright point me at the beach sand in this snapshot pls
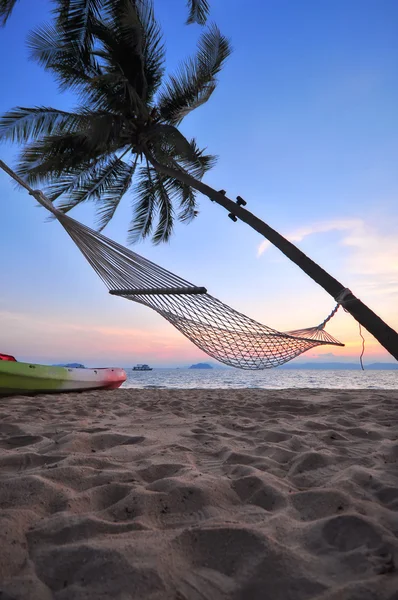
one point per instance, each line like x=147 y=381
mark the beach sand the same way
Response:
x=200 y=495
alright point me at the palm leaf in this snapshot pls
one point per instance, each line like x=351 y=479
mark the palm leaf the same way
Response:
x=108 y=204
x=184 y=195
x=112 y=92
x=144 y=206
x=78 y=138
x=182 y=155
x=131 y=44
x=105 y=129
x=153 y=48
x=76 y=18
x=197 y=163
x=52 y=157
x=153 y=200
x=195 y=81
x=6 y=8
x=187 y=204
x=73 y=179
x=93 y=182
x=22 y=124
x=164 y=228
x=169 y=136
x=198 y=11
x=46 y=43
x=105 y=182
x=51 y=48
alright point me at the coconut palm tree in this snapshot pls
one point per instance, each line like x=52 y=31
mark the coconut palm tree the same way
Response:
x=125 y=133
x=126 y=120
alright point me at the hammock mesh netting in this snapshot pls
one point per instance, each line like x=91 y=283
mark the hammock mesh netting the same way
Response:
x=222 y=332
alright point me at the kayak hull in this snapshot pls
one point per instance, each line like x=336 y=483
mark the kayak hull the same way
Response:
x=29 y=378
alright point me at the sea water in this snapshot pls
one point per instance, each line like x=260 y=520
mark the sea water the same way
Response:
x=267 y=379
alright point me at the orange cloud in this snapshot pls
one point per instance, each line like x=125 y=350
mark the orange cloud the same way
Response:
x=26 y=335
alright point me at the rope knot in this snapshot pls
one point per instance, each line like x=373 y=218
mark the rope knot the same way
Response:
x=343 y=297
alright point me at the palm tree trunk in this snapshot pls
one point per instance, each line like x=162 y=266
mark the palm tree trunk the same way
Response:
x=364 y=315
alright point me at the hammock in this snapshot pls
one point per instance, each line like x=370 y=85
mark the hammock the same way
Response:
x=222 y=332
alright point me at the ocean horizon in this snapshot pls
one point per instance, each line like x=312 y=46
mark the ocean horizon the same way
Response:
x=225 y=378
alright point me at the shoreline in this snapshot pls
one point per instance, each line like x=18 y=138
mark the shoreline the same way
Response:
x=188 y=494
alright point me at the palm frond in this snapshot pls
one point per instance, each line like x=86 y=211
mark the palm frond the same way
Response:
x=6 y=8
x=48 y=159
x=45 y=44
x=165 y=224
x=185 y=195
x=198 y=11
x=76 y=18
x=93 y=182
x=74 y=139
x=213 y=50
x=187 y=205
x=179 y=153
x=153 y=200
x=52 y=49
x=22 y=124
x=195 y=81
x=53 y=156
x=144 y=206
x=112 y=92
x=152 y=48
x=105 y=129
x=74 y=178
x=107 y=204
x=182 y=93
x=197 y=163
x=131 y=44
x=168 y=136
x=104 y=181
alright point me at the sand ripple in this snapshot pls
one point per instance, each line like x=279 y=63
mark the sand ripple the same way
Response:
x=200 y=495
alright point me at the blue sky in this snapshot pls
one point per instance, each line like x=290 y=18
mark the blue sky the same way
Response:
x=304 y=121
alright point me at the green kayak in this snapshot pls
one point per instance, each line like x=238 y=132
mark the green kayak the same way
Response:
x=28 y=378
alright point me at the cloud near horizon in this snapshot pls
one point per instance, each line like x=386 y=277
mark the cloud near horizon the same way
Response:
x=372 y=253
x=321 y=227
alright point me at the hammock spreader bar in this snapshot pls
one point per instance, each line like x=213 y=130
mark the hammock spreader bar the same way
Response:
x=222 y=332
x=159 y=291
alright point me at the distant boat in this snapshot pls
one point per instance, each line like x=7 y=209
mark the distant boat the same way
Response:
x=142 y=368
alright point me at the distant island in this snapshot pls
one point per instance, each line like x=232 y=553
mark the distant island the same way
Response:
x=341 y=366
x=201 y=366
